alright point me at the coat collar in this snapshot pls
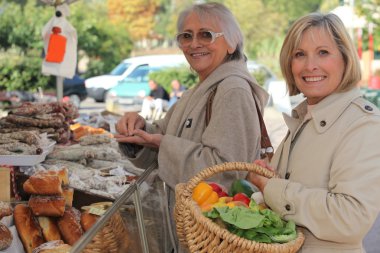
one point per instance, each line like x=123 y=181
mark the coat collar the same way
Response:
x=234 y=68
x=231 y=68
x=326 y=112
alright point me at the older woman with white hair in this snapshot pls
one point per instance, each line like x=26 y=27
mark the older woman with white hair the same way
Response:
x=188 y=139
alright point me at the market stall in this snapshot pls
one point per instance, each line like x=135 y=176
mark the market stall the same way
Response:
x=39 y=142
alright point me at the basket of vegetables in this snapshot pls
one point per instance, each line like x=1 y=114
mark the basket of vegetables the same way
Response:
x=207 y=221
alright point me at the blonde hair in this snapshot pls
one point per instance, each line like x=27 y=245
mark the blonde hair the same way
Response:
x=334 y=27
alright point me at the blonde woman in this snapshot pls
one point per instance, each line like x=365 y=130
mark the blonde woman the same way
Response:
x=329 y=162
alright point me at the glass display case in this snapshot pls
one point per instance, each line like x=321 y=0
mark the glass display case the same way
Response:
x=142 y=208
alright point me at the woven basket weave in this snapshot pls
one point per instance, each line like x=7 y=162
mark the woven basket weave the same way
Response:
x=200 y=234
x=112 y=238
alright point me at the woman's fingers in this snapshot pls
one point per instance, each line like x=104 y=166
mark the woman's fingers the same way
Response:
x=129 y=122
x=263 y=164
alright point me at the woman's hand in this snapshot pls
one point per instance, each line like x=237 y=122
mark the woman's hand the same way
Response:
x=130 y=130
x=130 y=122
x=258 y=180
x=141 y=137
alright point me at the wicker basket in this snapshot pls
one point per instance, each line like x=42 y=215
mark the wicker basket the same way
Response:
x=200 y=234
x=112 y=238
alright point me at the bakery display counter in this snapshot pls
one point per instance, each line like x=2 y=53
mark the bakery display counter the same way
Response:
x=136 y=233
x=123 y=204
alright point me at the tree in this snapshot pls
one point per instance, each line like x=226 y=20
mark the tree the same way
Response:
x=136 y=15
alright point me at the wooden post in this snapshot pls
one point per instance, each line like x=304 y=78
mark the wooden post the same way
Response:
x=59 y=88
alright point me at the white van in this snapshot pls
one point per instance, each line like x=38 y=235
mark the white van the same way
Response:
x=98 y=86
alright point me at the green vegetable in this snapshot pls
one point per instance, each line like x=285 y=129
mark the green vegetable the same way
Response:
x=254 y=224
x=242 y=185
x=283 y=238
x=241 y=217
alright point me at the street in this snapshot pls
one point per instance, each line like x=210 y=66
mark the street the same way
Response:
x=276 y=130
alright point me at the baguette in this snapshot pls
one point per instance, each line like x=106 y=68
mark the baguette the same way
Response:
x=49 y=228
x=27 y=228
x=47 y=205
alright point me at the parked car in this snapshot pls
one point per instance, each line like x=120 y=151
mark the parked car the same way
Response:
x=74 y=89
x=98 y=86
x=128 y=95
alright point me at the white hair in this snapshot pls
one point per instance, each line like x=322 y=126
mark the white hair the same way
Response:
x=224 y=19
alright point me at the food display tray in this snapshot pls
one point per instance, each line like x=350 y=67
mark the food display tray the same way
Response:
x=26 y=160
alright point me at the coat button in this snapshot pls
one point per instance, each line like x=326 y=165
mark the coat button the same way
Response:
x=322 y=123
x=287 y=175
x=287 y=207
x=368 y=108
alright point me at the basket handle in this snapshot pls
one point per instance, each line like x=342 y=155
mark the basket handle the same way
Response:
x=228 y=166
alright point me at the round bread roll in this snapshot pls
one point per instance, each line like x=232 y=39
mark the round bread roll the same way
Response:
x=5 y=237
x=5 y=209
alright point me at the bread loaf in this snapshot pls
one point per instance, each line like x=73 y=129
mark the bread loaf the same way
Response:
x=68 y=194
x=57 y=246
x=87 y=220
x=5 y=237
x=27 y=228
x=47 y=205
x=49 y=228
x=43 y=184
x=69 y=226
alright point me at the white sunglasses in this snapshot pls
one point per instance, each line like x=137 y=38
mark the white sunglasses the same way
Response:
x=204 y=37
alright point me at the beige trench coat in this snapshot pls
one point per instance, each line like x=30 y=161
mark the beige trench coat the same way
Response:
x=332 y=166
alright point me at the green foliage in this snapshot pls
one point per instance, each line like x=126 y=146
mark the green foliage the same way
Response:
x=370 y=9
x=22 y=73
x=20 y=26
x=184 y=76
x=105 y=44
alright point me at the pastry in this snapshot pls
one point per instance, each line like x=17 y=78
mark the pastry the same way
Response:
x=47 y=205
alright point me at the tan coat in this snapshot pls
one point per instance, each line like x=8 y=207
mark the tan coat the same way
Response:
x=233 y=133
x=333 y=166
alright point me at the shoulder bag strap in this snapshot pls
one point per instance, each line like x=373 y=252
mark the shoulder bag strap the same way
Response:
x=266 y=145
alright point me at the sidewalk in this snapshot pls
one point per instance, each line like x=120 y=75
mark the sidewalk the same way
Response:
x=277 y=129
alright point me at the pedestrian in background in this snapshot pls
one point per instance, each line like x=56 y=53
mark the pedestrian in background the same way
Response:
x=176 y=93
x=157 y=101
x=329 y=162
x=185 y=142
